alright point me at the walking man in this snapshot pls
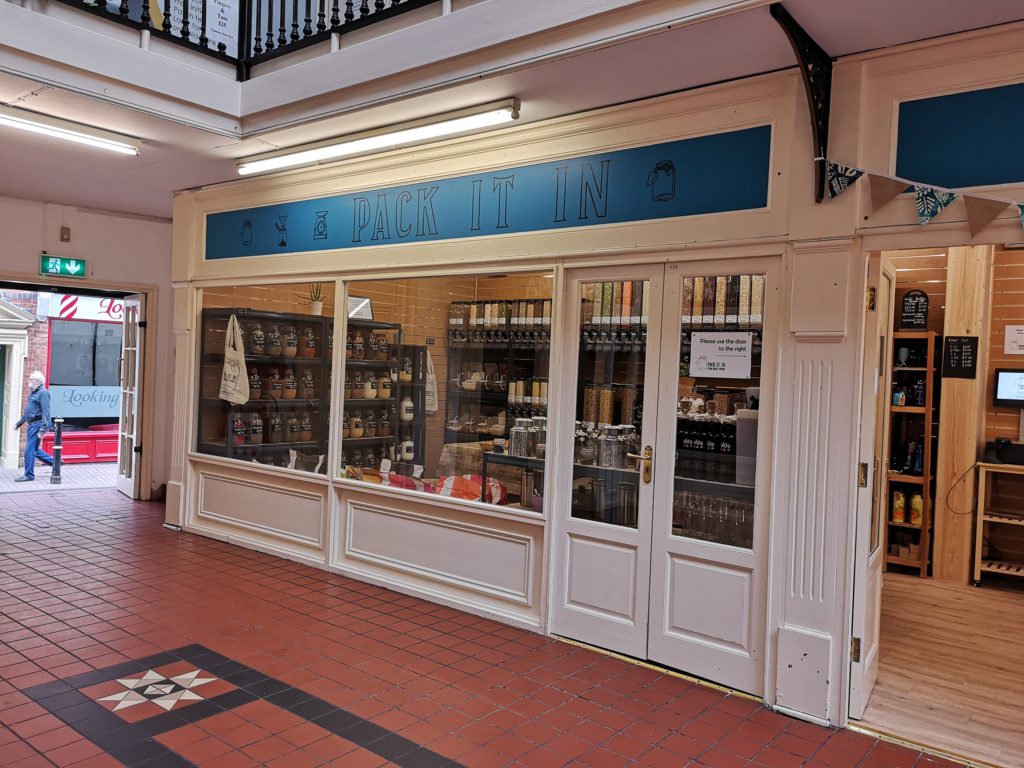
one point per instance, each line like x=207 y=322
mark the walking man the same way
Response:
x=37 y=416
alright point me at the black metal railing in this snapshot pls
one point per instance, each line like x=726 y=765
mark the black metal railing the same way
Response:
x=247 y=32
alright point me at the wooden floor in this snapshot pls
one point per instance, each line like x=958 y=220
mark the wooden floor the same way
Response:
x=952 y=668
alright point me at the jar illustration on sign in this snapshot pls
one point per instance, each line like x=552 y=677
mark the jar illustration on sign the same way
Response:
x=662 y=181
x=247 y=232
x=281 y=225
x=320 y=226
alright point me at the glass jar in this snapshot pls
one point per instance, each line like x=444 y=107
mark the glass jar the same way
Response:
x=540 y=426
x=345 y=425
x=630 y=444
x=370 y=387
x=357 y=427
x=308 y=342
x=256 y=429
x=348 y=386
x=371 y=346
x=275 y=428
x=370 y=457
x=330 y=340
x=370 y=424
x=408 y=450
x=608 y=446
x=405 y=374
x=291 y=386
x=308 y=385
x=407 y=411
x=239 y=430
x=273 y=342
x=385 y=425
x=358 y=345
x=384 y=387
x=349 y=345
x=255 y=385
x=357 y=457
x=274 y=385
x=257 y=339
x=519 y=438
x=357 y=384
x=588 y=447
x=383 y=348
x=306 y=428
x=293 y=428
x=290 y=341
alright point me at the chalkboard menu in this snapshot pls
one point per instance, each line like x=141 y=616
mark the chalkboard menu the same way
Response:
x=960 y=357
x=914 y=311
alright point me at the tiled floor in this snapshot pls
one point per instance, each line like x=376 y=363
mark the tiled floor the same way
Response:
x=293 y=667
x=72 y=476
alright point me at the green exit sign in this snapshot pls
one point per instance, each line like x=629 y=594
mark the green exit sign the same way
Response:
x=61 y=266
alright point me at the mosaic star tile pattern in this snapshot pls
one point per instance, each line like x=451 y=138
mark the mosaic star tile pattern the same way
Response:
x=165 y=692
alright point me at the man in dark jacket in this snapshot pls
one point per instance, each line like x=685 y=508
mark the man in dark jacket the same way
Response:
x=37 y=416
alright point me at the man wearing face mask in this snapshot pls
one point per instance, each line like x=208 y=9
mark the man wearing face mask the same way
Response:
x=37 y=416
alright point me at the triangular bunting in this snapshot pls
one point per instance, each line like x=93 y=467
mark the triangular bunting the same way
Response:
x=931 y=202
x=838 y=178
x=982 y=211
x=884 y=189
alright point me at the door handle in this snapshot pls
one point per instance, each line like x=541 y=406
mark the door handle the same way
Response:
x=646 y=459
x=120 y=360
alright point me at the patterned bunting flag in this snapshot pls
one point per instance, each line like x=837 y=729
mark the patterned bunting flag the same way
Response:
x=931 y=202
x=839 y=178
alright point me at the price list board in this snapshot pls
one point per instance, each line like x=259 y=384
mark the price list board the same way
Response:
x=960 y=357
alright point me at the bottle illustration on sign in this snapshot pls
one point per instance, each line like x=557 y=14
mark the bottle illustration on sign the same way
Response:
x=281 y=225
x=320 y=226
x=247 y=232
x=662 y=181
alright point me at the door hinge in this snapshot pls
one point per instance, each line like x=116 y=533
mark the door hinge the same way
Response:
x=855 y=650
x=137 y=449
x=871 y=299
x=141 y=323
x=862 y=475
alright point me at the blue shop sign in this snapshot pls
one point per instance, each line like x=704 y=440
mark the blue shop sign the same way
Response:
x=708 y=174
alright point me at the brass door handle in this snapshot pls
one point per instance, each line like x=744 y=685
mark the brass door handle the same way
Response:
x=647 y=458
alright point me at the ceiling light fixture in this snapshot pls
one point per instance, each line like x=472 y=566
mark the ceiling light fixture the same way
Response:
x=391 y=137
x=57 y=128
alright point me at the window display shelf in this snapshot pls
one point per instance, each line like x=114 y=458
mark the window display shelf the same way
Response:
x=218 y=448
x=218 y=357
x=295 y=402
x=368 y=402
x=368 y=440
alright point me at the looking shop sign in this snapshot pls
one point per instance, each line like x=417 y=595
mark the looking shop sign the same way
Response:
x=706 y=174
x=85 y=402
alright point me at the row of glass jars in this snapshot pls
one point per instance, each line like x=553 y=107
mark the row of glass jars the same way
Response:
x=367 y=346
x=371 y=456
x=529 y=437
x=368 y=423
x=605 y=445
x=255 y=429
x=271 y=385
x=277 y=339
x=369 y=386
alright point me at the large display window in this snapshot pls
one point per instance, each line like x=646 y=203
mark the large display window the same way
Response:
x=265 y=374
x=446 y=386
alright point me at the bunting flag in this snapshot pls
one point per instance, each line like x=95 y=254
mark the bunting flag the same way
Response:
x=982 y=211
x=931 y=202
x=884 y=189
x=838 y=178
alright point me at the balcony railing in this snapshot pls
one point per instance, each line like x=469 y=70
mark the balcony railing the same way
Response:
x=249 y=32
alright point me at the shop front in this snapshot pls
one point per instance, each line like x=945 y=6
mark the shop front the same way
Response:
x=574 y=376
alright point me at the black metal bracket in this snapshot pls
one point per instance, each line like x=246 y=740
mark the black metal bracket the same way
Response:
x=816 y=68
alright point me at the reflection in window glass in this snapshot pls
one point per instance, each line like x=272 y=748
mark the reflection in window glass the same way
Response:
x=265 y=366
x=719 y=393
x=446 y=386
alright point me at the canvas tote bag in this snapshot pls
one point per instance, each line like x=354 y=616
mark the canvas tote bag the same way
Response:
x=234 y=379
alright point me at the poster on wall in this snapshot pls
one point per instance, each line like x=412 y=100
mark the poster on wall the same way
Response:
x=721 y=355
x=221 y=19
x=1013 y=342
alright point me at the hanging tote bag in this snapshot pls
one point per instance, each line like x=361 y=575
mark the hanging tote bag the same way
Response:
x=234 y=379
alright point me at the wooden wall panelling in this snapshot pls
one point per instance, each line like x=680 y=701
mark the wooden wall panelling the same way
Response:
x=1007 y=309
x=961 y=419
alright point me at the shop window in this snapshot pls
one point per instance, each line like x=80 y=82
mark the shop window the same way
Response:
x=446 y=386
x=83 y=383
x=264 y=389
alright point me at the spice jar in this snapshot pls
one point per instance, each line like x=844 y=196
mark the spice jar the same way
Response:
x=357 y=384
x=370 y=387
x=407 y=411
x=275 y=428
x=371 y=457
x=293 y=428
x=608 y=446
x=290 y=341
x=349 y=345
x=345 y=425
x=291 y=386
x=273 y=340
x=256 y=429
x=385 y=424
x=357 y=457
x=370 y=424
x=405 y=374
x=408 y=450
x=371 y=346
x=356 y=425
x=255 y=385
x=606 y=404
x=257 y=339
x=384 y=387
x=330 y=341
x=306 y=428
x=308 y=342
x=519 y=438
x=358 y=345
x=383 y=348
x=308 y=385
x=899 y=507
x=274 y=385
x=348 y=386
x=239 y=430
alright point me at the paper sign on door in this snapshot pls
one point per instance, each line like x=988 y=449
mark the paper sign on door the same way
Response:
x=721 y=355
x=1013 y=343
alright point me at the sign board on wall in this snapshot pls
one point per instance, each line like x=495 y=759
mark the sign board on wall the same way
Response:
x=67 y=306
x=960 y=357
x=705 y=174
x=914 y=311
x=1013 y=342
x=721 y=355
x=85 y=402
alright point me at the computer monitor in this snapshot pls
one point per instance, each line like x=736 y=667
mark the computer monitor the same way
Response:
x=1009 y=388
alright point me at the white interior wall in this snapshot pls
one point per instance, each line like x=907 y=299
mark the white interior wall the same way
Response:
x=122 y=252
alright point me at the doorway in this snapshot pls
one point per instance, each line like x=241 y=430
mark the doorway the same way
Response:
x=88 y=345
x=661 y=549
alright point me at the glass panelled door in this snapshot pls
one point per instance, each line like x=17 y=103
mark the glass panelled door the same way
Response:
x=663 y=535
x=604 y=548
x=130 y=380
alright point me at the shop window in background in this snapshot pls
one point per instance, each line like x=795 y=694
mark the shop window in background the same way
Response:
x=265 y=374
x=83 y=381
x=446 y=386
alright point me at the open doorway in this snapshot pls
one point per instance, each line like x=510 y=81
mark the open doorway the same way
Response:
x=86 y=346
x=937 y=656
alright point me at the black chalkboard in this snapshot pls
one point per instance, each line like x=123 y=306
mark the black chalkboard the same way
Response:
x=914 y=311
x=960 y=357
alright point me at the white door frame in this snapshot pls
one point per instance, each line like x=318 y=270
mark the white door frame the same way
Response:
x=14 y=325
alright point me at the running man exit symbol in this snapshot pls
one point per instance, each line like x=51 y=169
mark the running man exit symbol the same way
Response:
x=61 y=266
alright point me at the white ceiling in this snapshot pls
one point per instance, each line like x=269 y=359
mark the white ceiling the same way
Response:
x=177 y=157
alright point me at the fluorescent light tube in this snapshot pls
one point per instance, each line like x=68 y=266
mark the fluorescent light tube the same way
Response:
x=474 y=118
x=55 y=127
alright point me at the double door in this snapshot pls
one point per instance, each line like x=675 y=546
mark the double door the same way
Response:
x=661 y=534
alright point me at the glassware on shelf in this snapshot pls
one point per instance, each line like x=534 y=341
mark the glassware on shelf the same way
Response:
x=290 y=387
x=407 y=410
x=309 y=342
x=255 y=384
x=257 y=339
x=370 y=424
x=293 y=428
x=357 y=427
x=274 y=343
x=290 y=341
x=385 y=427
x=358 y=344
x=256 y=429
x=306 y=428
x=239 y=430
x=519 y=440
x=370 y=387
x=275 y=428
x=308 y=385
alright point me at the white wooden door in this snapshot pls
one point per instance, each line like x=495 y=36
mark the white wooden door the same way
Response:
x=709 y=561
x=869 y=556
x=129 y=445
x=602 y=552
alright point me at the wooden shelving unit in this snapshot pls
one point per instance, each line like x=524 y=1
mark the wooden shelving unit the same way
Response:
x=990 y=515
x=908 y=543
